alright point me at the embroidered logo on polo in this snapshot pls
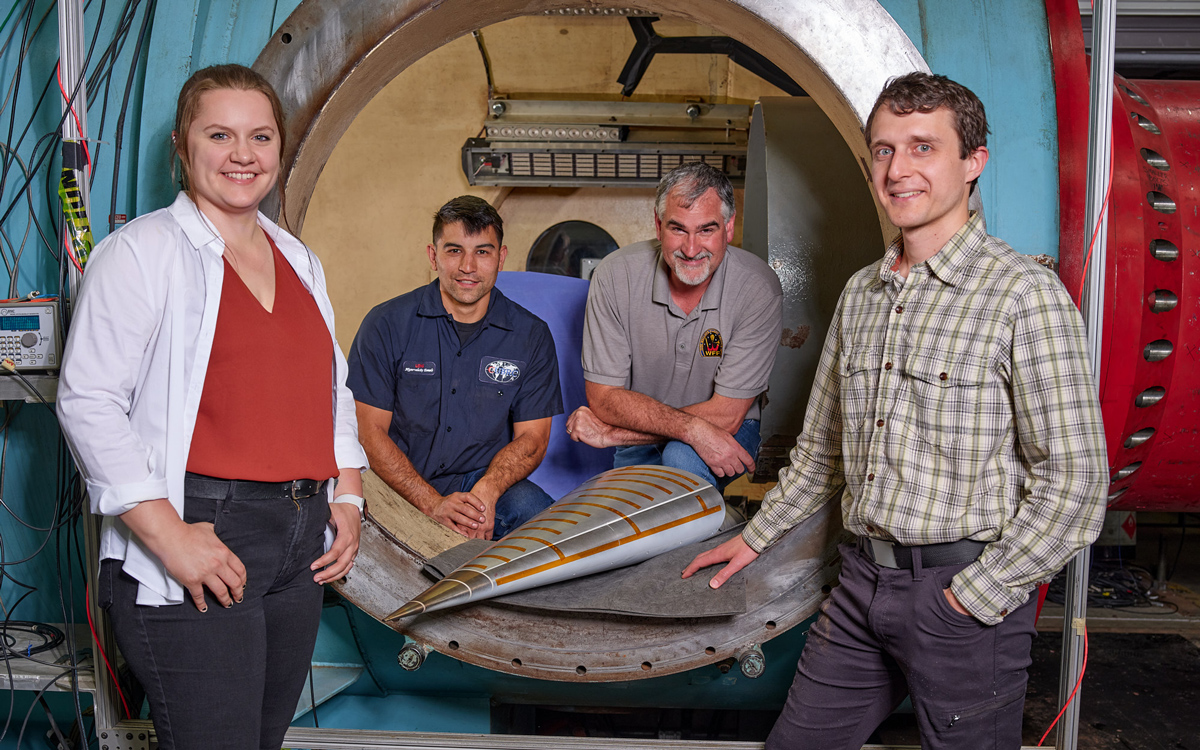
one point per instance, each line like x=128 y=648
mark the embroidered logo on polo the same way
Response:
x=711 y=344
x=419 y=367
x=499 y=370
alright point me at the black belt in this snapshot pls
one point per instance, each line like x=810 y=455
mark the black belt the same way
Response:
x=212 y=488
x=899 y=556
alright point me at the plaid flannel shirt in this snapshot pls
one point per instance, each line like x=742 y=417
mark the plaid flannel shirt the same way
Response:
x=956 y=404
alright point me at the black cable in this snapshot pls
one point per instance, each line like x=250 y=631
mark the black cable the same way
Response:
x=66 y=111
x=47 y=686
x=1179 y=551
x=16 y=88
x=51 y=638
x=28 y=384
x=120 y=132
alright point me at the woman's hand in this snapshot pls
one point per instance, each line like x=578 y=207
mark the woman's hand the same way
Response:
x=191 y=552
x=346 y=522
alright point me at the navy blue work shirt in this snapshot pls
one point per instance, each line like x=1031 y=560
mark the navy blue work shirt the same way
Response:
x=453 y=406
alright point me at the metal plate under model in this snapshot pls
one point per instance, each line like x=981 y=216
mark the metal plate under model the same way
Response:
x=29 y=335
x=782 y=588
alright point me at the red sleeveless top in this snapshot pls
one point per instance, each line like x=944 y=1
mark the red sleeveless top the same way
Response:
x=266 y=412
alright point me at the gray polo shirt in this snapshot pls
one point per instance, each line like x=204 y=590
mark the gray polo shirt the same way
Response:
x=635 y=337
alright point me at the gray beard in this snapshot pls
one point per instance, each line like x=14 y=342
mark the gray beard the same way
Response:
x=692 y=281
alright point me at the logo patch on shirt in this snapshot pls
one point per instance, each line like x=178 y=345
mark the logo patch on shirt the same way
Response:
x=711 y=344
x=499 y=370
x=419 y=367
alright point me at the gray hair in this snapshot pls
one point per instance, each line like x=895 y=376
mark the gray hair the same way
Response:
x=693 y=180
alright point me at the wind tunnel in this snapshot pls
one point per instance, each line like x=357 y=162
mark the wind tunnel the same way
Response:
x=328 y=60
x=809 y=212
x=807 y=209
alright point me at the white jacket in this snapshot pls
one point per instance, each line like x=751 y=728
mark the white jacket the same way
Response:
x=134 y=366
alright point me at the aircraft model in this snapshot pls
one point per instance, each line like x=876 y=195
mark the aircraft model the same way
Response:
x=618 y=517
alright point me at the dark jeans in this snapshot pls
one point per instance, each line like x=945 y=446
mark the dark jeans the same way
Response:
x=680 y=455
x=518 y=504
x=884 y=634
x=229 y=678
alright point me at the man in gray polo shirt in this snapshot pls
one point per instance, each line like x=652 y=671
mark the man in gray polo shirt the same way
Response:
x=680 y=338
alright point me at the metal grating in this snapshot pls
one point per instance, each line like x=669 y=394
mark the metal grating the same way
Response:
x=570 y=165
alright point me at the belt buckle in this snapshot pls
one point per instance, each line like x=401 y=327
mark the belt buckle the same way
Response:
x=883 y=553
x=298 y=484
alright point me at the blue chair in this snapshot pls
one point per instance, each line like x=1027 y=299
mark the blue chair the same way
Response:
x=560 y=301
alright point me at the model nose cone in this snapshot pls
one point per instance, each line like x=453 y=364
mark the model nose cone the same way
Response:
x=457 y=588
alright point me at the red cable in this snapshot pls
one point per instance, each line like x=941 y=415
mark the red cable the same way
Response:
x=1096 y=230
x=87 y=596
x=71 y=253
x=1071 y=697
x=71 y=108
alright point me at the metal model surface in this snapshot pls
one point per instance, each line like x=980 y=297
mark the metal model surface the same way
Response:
x=617 y=518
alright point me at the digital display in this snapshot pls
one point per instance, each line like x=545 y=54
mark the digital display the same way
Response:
x=19 y=323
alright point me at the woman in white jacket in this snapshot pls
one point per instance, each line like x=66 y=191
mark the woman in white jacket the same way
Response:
x=204 y=397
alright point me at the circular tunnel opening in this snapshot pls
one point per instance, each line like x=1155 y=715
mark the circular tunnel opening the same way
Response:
x=382 y=97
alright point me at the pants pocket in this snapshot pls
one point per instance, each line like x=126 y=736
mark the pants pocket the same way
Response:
x=104 y=583
x=204 y=510
x=994 y=723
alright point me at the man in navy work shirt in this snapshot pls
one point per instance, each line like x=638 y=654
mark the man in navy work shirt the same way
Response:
x=455 y=384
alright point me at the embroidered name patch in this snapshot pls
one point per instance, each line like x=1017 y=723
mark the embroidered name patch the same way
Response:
x=711 y=344
x=500 y=370
x=419 y=367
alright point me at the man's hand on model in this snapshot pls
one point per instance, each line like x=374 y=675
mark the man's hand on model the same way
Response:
x=734 y=551
x=723 y=454
x=462 y=512
x=585 y=427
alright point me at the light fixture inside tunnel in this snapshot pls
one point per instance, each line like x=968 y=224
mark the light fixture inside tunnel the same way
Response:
x=603 y=143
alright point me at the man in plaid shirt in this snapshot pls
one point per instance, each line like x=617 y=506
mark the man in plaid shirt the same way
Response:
x=955 y=415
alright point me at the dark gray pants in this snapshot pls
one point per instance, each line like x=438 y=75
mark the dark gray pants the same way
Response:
x=884 y=634
x=229 y=678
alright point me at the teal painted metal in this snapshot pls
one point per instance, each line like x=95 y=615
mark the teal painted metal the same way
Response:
x=1000 y=49
x=190 y=35
x=706 y=687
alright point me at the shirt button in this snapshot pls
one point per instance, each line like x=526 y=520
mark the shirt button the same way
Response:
x=888 y=366
x=899 y=308
x=459 y=354
x=1004 y=613
x=453 y=391
x=441 y=466
x=449 y=429
x=943 y=376
x=870 y=529
x=870 y=477
x=879 y=423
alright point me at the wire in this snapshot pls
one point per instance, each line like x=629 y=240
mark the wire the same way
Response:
x=1071 y=697
x=87 y=597
x=1179 y=551
x=71 y=107
x=1096 y=230
x=51 y=638
x=7 y=365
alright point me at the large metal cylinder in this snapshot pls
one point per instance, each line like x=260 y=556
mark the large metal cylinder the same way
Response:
x=1150 y=388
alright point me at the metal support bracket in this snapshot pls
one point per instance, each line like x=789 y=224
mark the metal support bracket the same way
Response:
x=649 y=44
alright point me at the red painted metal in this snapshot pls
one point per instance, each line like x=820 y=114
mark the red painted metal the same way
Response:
x=1156 y=124
x=1155 y=205
x=1071 y=95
